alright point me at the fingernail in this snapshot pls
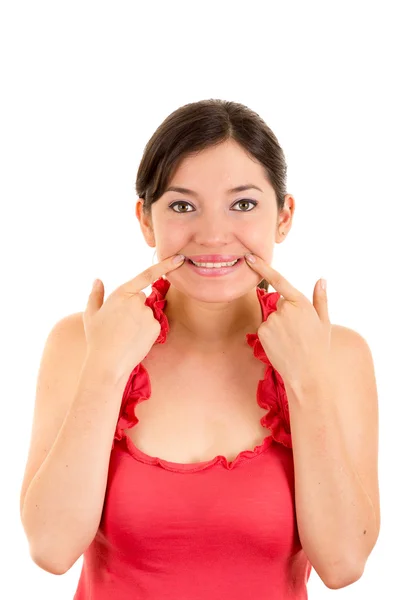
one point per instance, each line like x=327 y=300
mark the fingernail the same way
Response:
x=250 y=257
x=179 y=258
x=324 y=284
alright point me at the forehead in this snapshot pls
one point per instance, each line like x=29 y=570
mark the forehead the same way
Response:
x=224 y=166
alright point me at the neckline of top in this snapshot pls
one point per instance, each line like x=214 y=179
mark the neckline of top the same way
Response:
x=270 y=392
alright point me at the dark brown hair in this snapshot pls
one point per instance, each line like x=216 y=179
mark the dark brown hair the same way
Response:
x=202 y=124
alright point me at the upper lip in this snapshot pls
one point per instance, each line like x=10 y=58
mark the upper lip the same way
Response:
x=213 y=257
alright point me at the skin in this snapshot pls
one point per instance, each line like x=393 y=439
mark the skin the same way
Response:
x=213 y=312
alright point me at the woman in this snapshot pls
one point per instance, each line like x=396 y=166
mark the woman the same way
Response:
x=213 y=439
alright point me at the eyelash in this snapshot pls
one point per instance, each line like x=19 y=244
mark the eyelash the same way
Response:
x=254 y=202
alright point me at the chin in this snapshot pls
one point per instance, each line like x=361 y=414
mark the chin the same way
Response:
x=212 y=291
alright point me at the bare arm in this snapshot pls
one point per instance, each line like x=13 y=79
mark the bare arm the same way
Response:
x=62 y=505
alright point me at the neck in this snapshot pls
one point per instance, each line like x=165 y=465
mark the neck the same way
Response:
x=212 y=325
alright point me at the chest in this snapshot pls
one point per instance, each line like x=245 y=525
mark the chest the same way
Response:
x=200 y=406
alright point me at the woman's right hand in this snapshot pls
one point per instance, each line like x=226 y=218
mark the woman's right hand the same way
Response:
x=120 y=332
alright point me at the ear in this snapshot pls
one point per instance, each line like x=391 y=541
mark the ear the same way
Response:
x=145 y=223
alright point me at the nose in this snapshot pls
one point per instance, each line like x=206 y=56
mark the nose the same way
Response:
x=213 y=229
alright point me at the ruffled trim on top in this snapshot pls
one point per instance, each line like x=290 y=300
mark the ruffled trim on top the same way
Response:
x=271 y=389
x=271 y=393
x=138 y=386
x=157 y=303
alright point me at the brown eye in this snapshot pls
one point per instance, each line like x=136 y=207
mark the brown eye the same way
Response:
x=246 y=202
x=178 y=204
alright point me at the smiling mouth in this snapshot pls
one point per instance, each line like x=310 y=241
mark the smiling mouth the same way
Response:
x=228 y=263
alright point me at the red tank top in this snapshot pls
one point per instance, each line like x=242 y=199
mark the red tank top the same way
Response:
x=216 y=529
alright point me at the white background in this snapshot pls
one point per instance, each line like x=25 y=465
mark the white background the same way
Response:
x=84 y=86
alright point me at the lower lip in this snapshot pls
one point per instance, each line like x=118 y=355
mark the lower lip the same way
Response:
x=213 y=272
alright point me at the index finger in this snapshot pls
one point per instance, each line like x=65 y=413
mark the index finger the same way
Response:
x=150 y=275
x=276 y=280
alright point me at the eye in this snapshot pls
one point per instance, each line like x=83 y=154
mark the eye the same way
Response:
x=178 y=204
x=245 y=201
x=238 y=202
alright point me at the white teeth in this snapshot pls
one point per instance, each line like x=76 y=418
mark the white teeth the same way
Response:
x=215 y=265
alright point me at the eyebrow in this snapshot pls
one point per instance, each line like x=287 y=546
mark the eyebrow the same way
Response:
x=239 y=188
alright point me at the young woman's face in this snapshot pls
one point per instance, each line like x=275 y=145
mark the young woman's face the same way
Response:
x=214 y=220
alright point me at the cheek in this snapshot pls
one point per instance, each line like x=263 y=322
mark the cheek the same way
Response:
x=256 y=239
x=171 y=239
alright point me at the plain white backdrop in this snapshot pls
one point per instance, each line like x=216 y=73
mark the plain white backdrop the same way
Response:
x=84 y=86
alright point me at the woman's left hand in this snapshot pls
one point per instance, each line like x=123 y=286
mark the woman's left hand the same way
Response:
x=297 y=336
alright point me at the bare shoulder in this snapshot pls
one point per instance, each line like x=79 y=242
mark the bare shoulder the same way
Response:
x=61 y=362
x=71 y=325
x=351 y=357
x=345 y=338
